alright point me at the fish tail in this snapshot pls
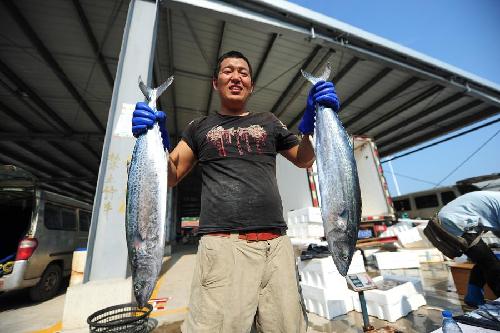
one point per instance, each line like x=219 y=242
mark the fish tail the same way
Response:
x=315 y=79
x=153 y=94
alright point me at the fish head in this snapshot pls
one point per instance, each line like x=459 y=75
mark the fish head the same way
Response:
x=233 y=83
x=341 y=241
x=143 y=288
x=342 y=253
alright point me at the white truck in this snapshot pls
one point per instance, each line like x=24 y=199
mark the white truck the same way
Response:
x=298 y=187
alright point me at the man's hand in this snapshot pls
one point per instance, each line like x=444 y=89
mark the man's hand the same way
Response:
x=144 y=118
x=322 y=93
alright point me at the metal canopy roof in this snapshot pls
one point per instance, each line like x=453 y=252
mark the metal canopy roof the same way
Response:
x=58 y=59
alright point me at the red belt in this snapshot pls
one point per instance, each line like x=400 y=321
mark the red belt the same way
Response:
x=251 y=236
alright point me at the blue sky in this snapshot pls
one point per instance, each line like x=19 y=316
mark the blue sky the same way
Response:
x=462 y=33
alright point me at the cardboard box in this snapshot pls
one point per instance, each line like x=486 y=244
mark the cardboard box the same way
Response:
x=460 y=273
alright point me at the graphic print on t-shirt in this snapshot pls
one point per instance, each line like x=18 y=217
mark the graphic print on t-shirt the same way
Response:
x=243 y=137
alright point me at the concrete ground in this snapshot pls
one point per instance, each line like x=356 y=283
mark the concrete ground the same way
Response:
x=18 y=314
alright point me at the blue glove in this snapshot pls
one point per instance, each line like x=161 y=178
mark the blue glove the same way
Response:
x=144 y=118
x=322 y=93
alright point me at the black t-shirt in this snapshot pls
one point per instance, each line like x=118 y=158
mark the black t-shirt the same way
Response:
x=237 y=155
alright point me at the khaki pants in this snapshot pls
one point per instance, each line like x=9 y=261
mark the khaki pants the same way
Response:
x=236 y=282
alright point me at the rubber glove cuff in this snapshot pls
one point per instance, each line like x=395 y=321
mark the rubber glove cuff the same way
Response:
x=161 y=117
x=306 y=125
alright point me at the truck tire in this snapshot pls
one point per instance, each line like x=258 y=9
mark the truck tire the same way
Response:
x=48 y=285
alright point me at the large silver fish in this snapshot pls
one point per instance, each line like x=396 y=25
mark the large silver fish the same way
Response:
x=147 y=204
x=338 y=182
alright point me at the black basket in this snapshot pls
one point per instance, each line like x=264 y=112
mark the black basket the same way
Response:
x=120 y=318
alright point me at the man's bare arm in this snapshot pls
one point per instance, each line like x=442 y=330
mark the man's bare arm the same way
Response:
x=302 y=155
x=181 y=161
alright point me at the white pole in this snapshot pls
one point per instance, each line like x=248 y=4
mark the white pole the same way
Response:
x=394 y=177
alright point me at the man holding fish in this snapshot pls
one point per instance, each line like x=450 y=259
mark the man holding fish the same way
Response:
x=245 y=270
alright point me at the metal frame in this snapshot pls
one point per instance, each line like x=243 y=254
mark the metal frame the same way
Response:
x=413 y=119
x=297 y=75
x=269 y=47
x=49 y=59
x=381 y=101
x=485 y=113
x=383 y=73
x=402 y=108
x=287 y=16
x=435 y=121
x=93 y=42
x=305 y=83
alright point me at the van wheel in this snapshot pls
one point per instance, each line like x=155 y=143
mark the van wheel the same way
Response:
x=48 y=285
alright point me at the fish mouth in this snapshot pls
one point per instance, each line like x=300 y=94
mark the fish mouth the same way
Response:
x=342 y=263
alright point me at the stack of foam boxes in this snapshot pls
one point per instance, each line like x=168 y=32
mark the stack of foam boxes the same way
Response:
x=393 y=299
x=305 y=223
x=324 y=290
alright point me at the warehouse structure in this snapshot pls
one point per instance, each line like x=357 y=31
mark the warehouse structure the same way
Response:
x=68 y=80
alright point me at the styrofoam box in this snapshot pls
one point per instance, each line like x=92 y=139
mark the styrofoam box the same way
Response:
x=328 y=303
x=305 y=230
x=393 y=303
x=415 y=280
x=305 y=215
x=392 y=312
x=395 y=260
x=322 y=272
x=427 y=254
x=414 y=237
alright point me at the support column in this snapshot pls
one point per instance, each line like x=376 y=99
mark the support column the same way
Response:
x=107 y=275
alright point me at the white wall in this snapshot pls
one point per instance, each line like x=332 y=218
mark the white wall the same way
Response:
x=293 y=186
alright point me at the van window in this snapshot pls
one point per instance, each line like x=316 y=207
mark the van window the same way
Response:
x=68 y=219
x=52 y=217
x=402 y=204
x=447 y=197
x=58 y=218
x=426 y=201
x=84 y=221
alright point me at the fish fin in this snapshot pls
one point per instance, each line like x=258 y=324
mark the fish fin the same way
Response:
x=160 y=89
x=324 y=77
x=146 y=91
x=153 y=94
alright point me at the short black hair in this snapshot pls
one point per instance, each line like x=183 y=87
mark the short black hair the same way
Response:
x=231 y=54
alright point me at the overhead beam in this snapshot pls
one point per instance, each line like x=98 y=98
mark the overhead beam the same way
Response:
x=415 y=118
x=53 y=119
x=16 y=116
x=346 y=69
x=49 y=59
x=306 y=63
x=219 y=47
x=387 y=97
x=55 y=180
x=306 y=83
x=25 y=163
x=272 y=41
x=485 y=113
x=432 y=122
x=25 y=88
x=402 y=108
x=383 y=73
x=93 y=42
x=187 y=73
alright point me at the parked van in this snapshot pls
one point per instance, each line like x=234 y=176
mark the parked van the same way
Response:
x=40 y=232
x=425 y=204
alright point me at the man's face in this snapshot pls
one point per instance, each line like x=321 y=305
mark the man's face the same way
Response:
x=233 y=83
